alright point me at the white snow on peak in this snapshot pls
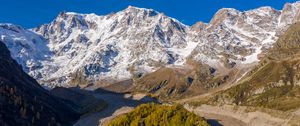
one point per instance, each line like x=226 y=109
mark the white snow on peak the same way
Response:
x=139 y=8
x=139 y=40
x=105 y=47
x=28 y=48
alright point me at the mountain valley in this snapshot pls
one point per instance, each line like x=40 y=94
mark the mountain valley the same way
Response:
x=136 y=65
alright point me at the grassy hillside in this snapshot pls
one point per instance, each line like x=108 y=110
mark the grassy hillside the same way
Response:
x=158 y=115
x=175 y=83
x=165 y=82
x=274 y=85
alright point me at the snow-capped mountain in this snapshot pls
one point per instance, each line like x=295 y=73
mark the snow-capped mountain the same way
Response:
x=242 y=36
x=76 y=47
x=107 y=46
x=26 y=47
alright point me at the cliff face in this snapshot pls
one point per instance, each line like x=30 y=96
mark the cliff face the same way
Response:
x=24 y=102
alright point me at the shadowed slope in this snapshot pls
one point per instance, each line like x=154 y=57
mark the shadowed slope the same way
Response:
x=24 y=101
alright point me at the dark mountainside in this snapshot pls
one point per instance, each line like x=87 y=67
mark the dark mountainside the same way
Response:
x=24 y=102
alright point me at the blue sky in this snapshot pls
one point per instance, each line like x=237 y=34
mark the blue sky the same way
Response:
x=31 y=13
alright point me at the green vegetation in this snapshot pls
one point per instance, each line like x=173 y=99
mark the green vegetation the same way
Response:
x=159 y=115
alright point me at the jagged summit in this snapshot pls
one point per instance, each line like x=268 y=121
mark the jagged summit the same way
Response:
x=223 y=14
x=114 y=42
x=130 y=7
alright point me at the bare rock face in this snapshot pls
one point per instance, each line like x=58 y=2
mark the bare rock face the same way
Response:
x=89 y=48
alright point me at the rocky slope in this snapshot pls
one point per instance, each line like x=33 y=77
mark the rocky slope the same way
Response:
x=24 y=102
x=274 y=83
x=85 y=48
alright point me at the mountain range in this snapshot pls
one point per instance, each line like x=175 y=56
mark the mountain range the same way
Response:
x=84 y=49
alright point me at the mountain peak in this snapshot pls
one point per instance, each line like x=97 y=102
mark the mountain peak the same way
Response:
x=223 y=14
x=133 y=7
x=137 y=8
x=291 y=7
x=228 y=10
x=198 y=26
x=65 y=14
